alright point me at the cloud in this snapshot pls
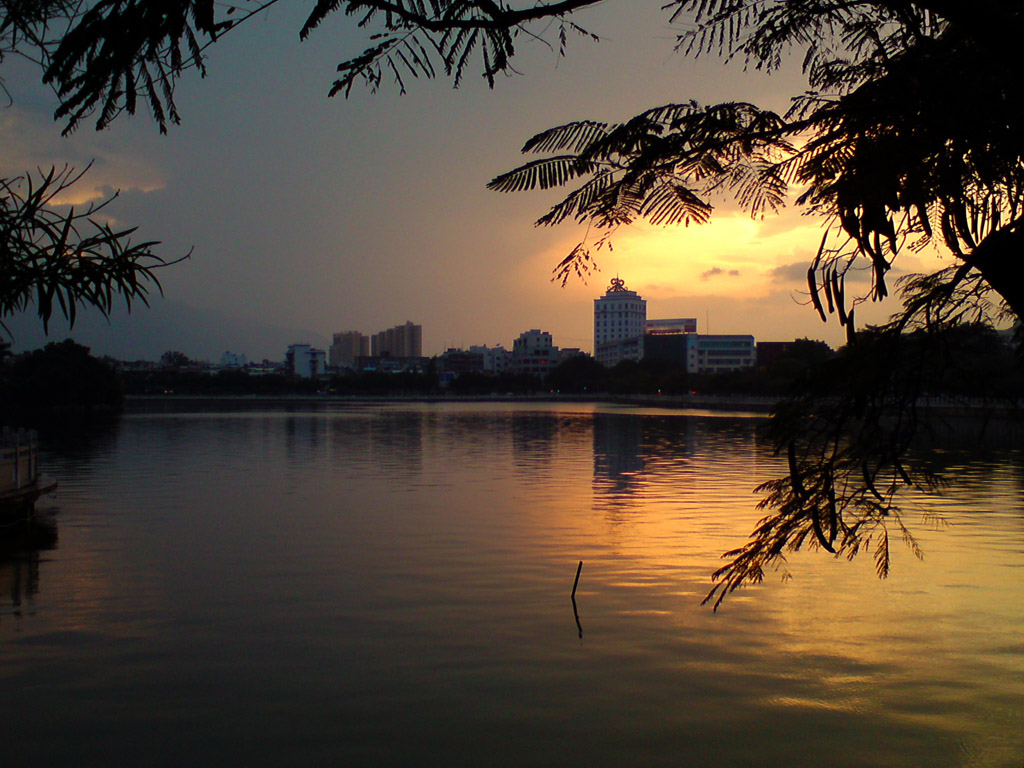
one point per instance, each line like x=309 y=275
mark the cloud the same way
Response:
x=796 y=272
x=716 y=271
x=102 y=162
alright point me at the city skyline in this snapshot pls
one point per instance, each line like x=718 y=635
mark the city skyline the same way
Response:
x=199 y=338
x=311 y=215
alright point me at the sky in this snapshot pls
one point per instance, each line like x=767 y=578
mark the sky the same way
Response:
x=307 y=215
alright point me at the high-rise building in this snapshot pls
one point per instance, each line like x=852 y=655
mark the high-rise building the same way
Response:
x=305 y=361
x=619 y=320
x=347 y=346
x=400 y=341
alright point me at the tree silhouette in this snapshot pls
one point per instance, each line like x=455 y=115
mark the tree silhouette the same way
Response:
x=54 y=259
x=58 y=261
x=909 y=133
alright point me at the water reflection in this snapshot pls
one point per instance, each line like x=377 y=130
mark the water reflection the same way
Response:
x=385 y=585
x=618 y=452
x=533 y=440
x=20 y=547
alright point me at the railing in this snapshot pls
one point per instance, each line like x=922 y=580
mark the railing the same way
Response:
x=19 y=462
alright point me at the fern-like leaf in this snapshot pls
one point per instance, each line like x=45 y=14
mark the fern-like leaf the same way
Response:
x=541 y=174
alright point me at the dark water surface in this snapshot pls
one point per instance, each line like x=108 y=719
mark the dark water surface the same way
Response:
x=388 y=585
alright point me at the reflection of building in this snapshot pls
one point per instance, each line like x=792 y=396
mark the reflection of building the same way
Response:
x=390 y=443
x=534 y=436
x=305 y=361
x=618 y=451
x=619 y=319
x=534 y=353
x=347 y=346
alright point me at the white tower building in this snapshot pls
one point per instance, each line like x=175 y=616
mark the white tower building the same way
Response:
x=620 y=317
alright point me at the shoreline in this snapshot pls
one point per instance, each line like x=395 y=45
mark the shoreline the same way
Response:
x=747 y=403
x=757 y=404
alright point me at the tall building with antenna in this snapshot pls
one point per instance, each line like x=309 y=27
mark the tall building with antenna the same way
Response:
x=620 y=317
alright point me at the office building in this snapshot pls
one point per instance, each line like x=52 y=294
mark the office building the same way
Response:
x=620 y=317
x=702 y=353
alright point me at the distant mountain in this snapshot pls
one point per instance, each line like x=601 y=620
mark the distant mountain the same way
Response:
x=145 y=334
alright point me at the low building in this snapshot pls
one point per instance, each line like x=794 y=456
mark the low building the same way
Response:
x=534 y=353
x=671 y=348
x=672 y=326
x=611 y=353
x=495 y=359
x=231 y=360
x=457 y=361
x=568 y=353
x=718 y=354
x=702 y=353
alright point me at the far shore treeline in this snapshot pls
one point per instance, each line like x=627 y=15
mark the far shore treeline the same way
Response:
x=65 y=380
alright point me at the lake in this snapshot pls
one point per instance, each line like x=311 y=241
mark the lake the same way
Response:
x=253 y=584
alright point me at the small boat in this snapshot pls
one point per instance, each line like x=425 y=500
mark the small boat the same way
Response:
x=20 y=482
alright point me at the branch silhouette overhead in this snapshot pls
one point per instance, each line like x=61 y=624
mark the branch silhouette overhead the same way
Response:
x=908 y=135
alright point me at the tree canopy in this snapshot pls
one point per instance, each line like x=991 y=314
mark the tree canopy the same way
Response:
x=56 y=259
x=908 y=134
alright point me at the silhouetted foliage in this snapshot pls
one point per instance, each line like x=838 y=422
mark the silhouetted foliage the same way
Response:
x=848 y=436
x=578 y=374
x=178 y=381
x=55 y=258
x=54 y=261
x=799 y=356
x=497 y=384
x=61 y=378
x=909 y=134
x=174 y=358
x=380 y=382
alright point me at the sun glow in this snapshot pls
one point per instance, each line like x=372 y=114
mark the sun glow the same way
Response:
x=732 y=254
x=736 y=273
x=735 y=254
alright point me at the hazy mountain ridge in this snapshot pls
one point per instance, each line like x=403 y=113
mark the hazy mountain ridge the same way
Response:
x=148 y=332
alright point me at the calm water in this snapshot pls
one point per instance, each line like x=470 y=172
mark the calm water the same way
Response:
x=388 y=585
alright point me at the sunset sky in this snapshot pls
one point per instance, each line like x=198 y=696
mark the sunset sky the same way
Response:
x=310 y=215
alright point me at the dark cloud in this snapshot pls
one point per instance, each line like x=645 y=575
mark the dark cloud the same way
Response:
x=716 y=271
x=796 y=272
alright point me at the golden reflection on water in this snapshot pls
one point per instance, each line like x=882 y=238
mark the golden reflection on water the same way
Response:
x=401 y=575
